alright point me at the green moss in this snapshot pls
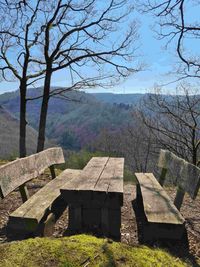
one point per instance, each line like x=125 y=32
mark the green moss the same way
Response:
x=78 y=251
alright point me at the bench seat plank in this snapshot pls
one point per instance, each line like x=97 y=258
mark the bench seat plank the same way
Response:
x=158 y=207
x=35 y=207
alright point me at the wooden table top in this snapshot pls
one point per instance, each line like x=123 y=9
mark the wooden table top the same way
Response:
x=101 y=175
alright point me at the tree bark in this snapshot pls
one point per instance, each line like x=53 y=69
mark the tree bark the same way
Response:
x=22 y=135
x=43 y=112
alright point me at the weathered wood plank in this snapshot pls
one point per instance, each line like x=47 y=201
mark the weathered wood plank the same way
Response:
x=115 y=189
x=111 y=179
x=92 y=173
x=18 y=172
x=105 y=222
x=35 y=208
x=158 y=231
x=98 y=192
x=187 y=175
x=100 y=177
x=91 y=219
x=158 y=207
x=75 y=218
x=81 y=188
x=115 y=223
x=103 y=182
x=116 y=182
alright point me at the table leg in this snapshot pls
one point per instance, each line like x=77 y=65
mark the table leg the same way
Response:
x=115 y=223
x=105 y=221
x=75 y=217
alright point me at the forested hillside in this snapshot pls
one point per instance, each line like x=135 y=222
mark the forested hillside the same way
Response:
x=74 y=121
x=9 y=135
x=116 y=124
x=128 y=99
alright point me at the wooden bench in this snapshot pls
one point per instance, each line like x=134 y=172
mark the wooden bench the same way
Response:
x=96 y=197
x=39 y=212
x=162 y=217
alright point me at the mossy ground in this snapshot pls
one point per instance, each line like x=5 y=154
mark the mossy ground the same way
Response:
x=81 y=250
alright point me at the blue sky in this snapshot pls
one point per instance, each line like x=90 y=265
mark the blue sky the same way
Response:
x=158 y=62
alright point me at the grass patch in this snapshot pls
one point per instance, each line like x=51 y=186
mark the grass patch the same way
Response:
x=129 y=176
x=79 y=250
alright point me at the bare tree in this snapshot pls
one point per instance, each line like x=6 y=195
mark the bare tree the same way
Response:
x=134 y=141
x=91 y=40
x=177 y=22
x=139 y=144
x=82 y=37
x=174 y=120
x=17 y=52
x=106 y=142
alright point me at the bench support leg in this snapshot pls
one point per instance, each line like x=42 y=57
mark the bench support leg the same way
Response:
x=179 y=198
x=24 y=193
x=1 y=194
x=52 y=170
x=49 y=225
x=162 y=176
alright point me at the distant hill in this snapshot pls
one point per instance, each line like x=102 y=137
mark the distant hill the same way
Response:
x=73 y=122
x=130 y=99
x=78 y=119
x=9 y=135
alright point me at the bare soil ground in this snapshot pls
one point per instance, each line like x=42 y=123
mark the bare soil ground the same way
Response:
x=187 y=248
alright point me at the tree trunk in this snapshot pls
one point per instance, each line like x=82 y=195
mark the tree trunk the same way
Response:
x=22 y=135
x=43 y=112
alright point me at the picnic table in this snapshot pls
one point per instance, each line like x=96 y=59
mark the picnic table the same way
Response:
x=95 y=197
